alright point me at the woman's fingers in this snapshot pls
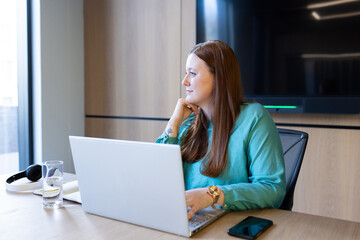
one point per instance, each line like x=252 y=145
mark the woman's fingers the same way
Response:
x=192 y=204
x=194 y=108
x=197 y=199
x=183 y=110
x=191 y=213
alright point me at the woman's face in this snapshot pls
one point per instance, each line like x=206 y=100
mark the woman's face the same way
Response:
x=198 y=81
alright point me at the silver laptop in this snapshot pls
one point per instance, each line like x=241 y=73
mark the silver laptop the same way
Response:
x=136 y=182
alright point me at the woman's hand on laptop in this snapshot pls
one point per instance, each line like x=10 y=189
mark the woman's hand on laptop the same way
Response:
x=198 y=199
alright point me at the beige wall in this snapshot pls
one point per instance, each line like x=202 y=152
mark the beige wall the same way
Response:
x=134 y=60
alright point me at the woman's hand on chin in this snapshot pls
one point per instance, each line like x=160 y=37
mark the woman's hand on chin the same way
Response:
x=182 y=111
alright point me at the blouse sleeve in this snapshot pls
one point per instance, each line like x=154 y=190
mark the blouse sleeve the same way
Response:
x=266 y=172
x=164 y=138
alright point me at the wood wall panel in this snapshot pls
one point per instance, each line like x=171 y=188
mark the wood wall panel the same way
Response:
x=318 y=119
x=328 y=180
x=134 y=130
x=327 y=184
x=188 y=34
x=132 y=57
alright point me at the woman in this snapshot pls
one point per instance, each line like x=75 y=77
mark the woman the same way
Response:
x=232 y=155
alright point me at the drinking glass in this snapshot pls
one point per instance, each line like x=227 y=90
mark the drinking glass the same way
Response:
x=52 y=173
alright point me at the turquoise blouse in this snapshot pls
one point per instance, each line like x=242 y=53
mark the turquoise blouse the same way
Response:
x=254 y=176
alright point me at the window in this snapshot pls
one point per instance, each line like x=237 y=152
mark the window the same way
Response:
x=15 y=117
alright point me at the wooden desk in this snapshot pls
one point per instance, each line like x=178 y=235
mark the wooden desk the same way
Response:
x=22 y=217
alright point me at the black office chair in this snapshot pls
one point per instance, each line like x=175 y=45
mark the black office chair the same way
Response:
x=294 y=145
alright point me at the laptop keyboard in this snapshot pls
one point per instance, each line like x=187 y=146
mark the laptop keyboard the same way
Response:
x=198 y=219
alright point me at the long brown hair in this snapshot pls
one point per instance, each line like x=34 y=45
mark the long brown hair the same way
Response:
x=226 y=98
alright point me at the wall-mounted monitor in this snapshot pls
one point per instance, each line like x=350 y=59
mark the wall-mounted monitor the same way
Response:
x=294 y=56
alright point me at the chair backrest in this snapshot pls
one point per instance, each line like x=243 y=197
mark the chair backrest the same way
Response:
x=294 y=145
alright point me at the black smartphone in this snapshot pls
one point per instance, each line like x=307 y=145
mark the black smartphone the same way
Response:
x=250 y=227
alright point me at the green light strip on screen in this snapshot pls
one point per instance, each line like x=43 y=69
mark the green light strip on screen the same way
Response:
x=286 y=107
